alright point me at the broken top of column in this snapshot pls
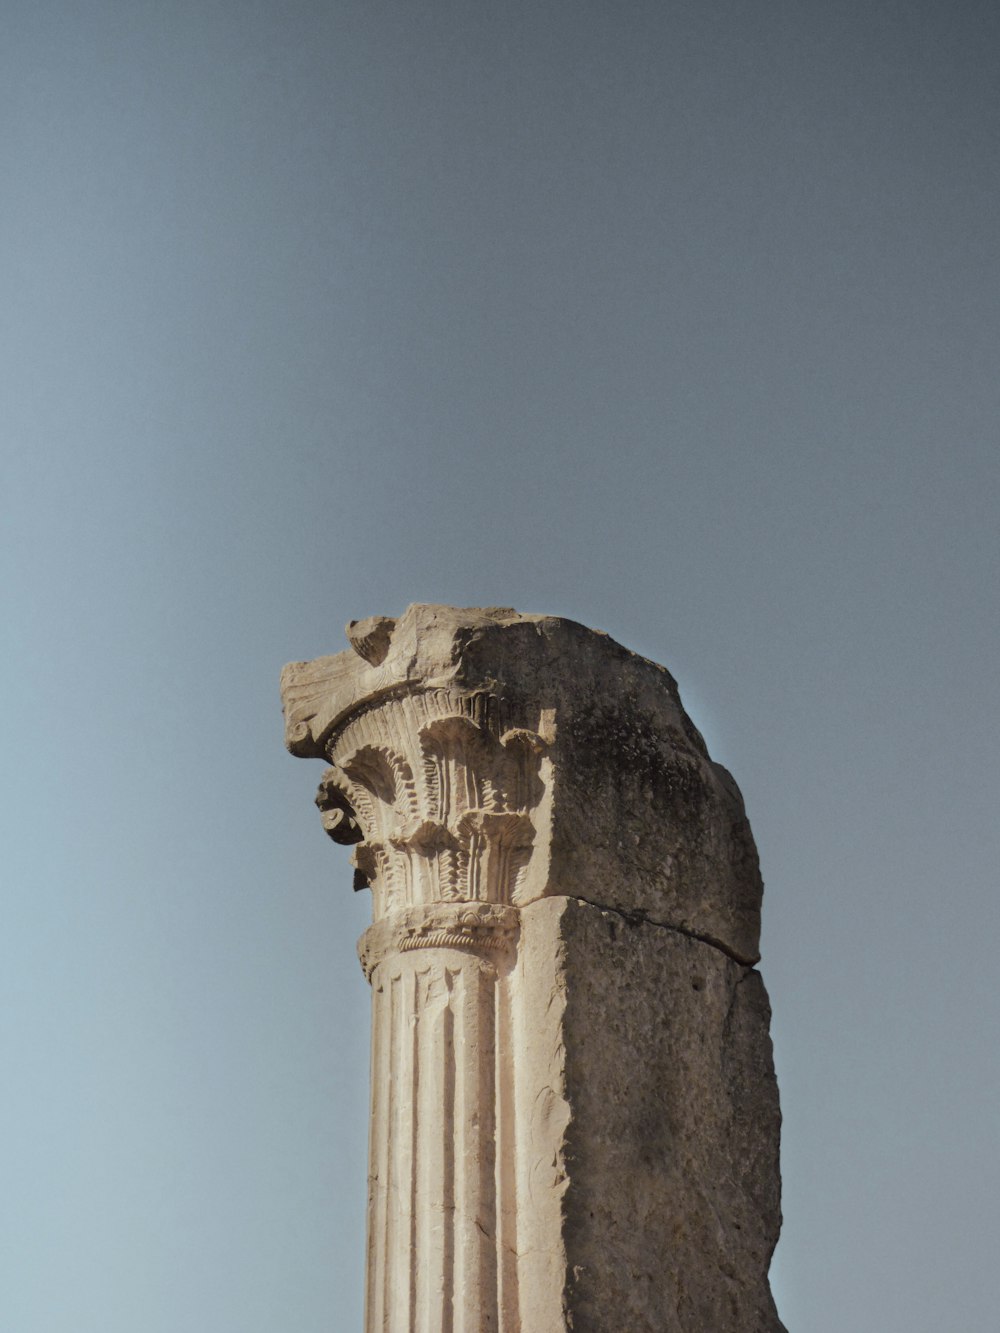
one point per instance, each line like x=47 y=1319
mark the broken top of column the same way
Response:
x=618 y=800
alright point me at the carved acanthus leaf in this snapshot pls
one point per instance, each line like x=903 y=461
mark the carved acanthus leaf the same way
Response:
x=442 y=796
x=336 y=810
x=370 y=637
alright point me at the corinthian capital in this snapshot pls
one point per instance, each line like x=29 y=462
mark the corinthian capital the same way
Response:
x=487 y=756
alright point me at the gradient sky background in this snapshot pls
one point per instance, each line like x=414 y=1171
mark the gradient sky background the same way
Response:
x=678 y=319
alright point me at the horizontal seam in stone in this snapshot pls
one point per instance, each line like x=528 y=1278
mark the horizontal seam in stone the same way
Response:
x=639 y=918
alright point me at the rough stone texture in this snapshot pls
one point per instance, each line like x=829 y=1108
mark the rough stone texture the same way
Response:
x=574 y=1113
x=670 y=1147
x=641 y=818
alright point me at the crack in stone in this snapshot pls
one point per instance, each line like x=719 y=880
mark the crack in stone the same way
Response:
x=639 y=918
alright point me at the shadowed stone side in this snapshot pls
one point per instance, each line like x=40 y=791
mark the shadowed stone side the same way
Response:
x=672 y=1207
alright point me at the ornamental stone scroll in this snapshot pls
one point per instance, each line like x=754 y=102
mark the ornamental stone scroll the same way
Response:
x=574 y=1117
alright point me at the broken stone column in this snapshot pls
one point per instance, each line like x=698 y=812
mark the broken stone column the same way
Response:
x=574 y=1114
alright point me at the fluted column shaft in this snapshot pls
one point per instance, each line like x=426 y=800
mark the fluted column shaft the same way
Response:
x=437 y=1172
x=432 y=1209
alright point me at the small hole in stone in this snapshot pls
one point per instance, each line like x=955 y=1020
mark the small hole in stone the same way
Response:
x=697 y=983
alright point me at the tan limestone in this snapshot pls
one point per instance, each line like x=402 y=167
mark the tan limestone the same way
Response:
x=574 y=1113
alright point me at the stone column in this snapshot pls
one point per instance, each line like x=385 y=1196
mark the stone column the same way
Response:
x=574 y=1117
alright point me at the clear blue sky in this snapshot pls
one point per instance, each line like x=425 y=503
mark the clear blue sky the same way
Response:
x=679 y=319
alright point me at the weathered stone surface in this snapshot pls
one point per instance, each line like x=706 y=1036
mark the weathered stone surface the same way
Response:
x=640 y=818
x=574 y=1113
x=660 y=1125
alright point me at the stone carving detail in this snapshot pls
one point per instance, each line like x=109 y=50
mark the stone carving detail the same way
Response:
x=336 y=810
x=370 y=638
x=439 y=805
x=485 y=928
